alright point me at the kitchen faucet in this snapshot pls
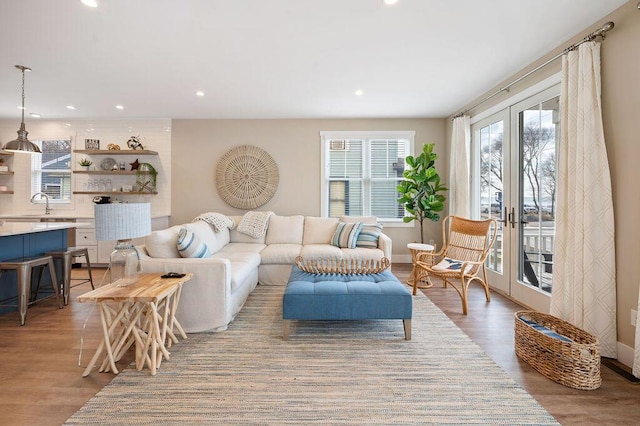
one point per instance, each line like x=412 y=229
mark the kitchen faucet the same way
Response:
x=47 y=210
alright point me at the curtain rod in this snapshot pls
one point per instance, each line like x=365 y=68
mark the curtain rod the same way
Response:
x=600 y=32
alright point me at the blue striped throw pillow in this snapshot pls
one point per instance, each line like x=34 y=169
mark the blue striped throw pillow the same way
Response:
x=189 y=245
x=346 y=234
x=369 y=235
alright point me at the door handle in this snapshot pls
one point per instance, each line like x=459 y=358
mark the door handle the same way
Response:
x=504 y=218
x=512 y=217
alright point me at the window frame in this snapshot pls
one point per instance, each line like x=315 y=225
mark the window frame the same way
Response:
x=36 y=175
x=366 y=137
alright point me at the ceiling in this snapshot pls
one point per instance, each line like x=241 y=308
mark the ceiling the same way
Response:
x=273 y=58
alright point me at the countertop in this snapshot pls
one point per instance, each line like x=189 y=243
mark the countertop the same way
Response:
x=20 y=228
x=54 y=216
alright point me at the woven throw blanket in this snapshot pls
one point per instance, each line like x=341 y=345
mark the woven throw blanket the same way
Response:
x=254 y=224
x=219 y=221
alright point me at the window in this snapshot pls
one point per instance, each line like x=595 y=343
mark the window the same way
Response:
x=51 y=171
x=361 y=172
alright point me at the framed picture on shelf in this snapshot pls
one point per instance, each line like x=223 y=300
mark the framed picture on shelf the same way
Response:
x=92 y=144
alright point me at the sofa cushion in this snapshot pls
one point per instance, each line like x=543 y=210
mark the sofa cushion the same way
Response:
x=163 y=243
x=242 y=248
x=319 y=230
x=368 y=220
x=346 y=235
x=320 y=252
x=285 y=230
x=251 y=259
x=362 y=254
x=190 y=245
x=369 y=235
x=280 y=253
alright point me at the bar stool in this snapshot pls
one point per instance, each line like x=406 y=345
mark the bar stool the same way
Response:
x=66 y=257
x=24 y=268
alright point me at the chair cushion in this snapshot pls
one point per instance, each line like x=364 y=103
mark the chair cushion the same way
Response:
x=369 y=235
x=346 y=234
x=451 y=265
x=190 y=245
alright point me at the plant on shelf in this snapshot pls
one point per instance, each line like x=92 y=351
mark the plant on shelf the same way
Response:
x=146 y=176
x=85 y=162
x=421 y=190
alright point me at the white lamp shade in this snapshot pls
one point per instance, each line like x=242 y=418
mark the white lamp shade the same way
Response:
x=122 y=221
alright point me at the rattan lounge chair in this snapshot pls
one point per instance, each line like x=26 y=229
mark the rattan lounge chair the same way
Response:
x=466 y=244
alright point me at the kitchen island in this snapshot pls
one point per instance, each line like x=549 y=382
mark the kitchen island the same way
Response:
x=26 y=239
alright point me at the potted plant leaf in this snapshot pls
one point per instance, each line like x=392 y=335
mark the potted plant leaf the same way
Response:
x=86 y=163
x=421 y=191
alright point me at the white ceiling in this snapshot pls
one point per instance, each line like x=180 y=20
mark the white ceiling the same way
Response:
x=273 y=58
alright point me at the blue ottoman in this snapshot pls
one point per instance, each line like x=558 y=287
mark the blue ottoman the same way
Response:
x=345 y=297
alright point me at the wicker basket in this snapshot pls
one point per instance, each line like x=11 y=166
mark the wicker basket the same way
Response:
x=575 y=364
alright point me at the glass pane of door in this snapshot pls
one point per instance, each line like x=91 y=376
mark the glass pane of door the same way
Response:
x=491 y=186
x=538 y=132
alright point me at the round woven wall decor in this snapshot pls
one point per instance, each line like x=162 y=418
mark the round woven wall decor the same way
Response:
x=246 y=177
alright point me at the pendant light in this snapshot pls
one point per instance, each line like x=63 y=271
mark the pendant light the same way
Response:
x=22 y=143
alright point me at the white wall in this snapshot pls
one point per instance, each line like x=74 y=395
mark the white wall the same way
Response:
x=197 y=145
x=155 y=134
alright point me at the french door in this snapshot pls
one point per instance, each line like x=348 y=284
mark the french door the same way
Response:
x=514 y=169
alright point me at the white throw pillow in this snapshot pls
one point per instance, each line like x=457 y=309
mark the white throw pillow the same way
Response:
x=204 y=231
x=285 y=230
x=162 y=243
x=190 y=245
x=319 y=230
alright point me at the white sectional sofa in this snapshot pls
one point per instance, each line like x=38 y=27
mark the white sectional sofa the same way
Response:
x=222 y=282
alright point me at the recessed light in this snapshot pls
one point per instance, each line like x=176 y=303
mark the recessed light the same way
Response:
x=199 y=93
x=35 y=115
x=390 y=2
x=20 y=107
x=119 y=107
x=359 y=92
x=90 y=3
x=70 y=107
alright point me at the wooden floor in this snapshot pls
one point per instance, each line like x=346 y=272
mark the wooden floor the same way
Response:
x=41 y=379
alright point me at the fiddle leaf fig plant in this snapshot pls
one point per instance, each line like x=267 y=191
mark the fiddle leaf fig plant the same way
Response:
x=421 y=191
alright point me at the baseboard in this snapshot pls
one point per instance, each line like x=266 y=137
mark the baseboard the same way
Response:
x=401 y=258
x=625 y=354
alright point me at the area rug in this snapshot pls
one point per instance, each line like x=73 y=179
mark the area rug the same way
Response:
x=337 y=373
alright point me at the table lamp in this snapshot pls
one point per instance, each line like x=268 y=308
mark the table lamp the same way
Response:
x=123 y=222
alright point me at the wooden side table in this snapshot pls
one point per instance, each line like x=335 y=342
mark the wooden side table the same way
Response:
x=141 y=313
x=416 y=248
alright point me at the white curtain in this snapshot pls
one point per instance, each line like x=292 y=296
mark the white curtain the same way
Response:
x=459 y=167
x=584 y=278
